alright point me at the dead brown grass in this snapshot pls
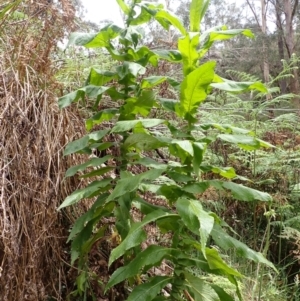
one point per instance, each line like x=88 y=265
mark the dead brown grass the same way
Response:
x=33 y=133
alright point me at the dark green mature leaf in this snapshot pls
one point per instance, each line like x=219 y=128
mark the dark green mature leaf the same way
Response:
x=77 y=145
x=95 y=40
x=90 y=163
x=80 y=144
x=149 y=290
x=226 y=242
x=97 y=209
x=99 y=77
x=130 y=68
x=200 y=290
x=150 y=257
x=196 y=219
x=131 y=183
x=221 y=293
x=136 y=235
x=103 y=115
x=141 y=105
x=169 y=55
x=90 y=91
x=142 y=141
x=241 y=192
x=87 y=192
x=194 y=88
x=245 y=142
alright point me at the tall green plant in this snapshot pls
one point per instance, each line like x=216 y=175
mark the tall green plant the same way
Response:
x=168 y=157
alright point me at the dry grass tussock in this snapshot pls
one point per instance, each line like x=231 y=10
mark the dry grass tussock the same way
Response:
x=33 y=133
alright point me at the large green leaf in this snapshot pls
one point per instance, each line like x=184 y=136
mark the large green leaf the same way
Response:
x=194 y=88
x=80 y=144
x=152 y=81
x=197 y=11
x=238 y=87
x=136 y=235
x=226 y=242
x=150 y=257
x=140 y=105
x=187 y=46
x=220 y=34
x=126 y=125
x=222 y=294
x=171 y=19
x=90 y=163
x=124 y=7
x=149 y=290
x=246 y=142
x=89 y=91
x=99 y=77
x=200 y=290
x=169 y=55
x=131 y=183
x=142 y=141
x=87 y=192
x=215 y=262
x=103 y=115
x=196 y=219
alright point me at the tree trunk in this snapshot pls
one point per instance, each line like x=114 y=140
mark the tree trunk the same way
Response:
x=280 y=43
x=264 y=32
x=289 y=11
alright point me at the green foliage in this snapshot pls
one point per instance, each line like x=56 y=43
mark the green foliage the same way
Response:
x=169 y=157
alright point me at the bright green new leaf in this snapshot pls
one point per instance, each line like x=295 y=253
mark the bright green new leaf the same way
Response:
x=187 y=46
x=127 y=125
x=90 y=163
x=226 y=172
x=194 y=88
x=171 y=19
x=152 y=81
x=124 y=7
x=238 y=87
x=150 y=257
x=215 y=262
x=149 y=290
x=197 y=11
x=136 y=235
